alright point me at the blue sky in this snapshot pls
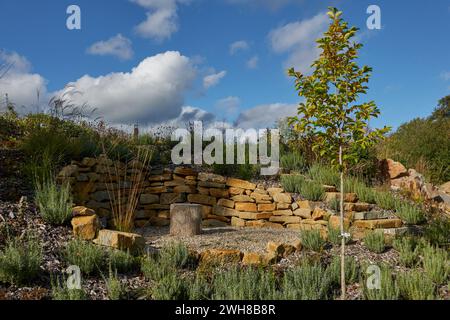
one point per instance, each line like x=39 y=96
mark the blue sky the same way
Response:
x=185 y=67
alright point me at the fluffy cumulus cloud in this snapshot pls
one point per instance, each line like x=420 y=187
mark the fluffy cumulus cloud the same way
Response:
x=22 y=86
x=118 y=46
x=252 y=63
x=152 y=92
x=213 y=79
x=298 y=41
x=162 y=18
x=264 y=116
x=228 y=106
x=237 y=46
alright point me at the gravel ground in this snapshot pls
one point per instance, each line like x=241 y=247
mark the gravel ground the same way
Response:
x=243 y=239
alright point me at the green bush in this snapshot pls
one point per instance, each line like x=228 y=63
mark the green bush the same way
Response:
x=309 y=281
x=408 y=251
x=244 y=284
x=89 y=257
x=200 y=288
x=324 y=175
x=293 y=161
x=54 y=202
x=365 y=194
x=170 y=287
x=114 y=287
x=351 y=270
x=334 y=236
x=374 y=241
x=62 y=292
x=388 y=289
x=436 y=264
x=409 y=213
x=121 y=261
x=312 y=240
x=20 y=260
x=385 y=200
x=312 y=191
x=292 y=183
x=437 y=231
x=414 y=286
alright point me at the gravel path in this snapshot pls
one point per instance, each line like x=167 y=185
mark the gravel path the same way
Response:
x=243 y=239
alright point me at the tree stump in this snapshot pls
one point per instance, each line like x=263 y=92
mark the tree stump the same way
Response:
x=185 y=219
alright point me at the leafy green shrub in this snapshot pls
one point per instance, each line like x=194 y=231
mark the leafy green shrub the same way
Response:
x=309 y=281
x=324 y=175
x=409 y=213
x=407 y=249
x=20 y=260
x=385 y=200
x=244 y=284
x=62 y=292
x=437 y=231
x=312 y=191
x=89 y=257
x=121 y=261
x=54 y=202
x=351 y=270
x=312 y=240
x=293 y=161
x=114 y=287
x=334 y=236
x=292 y=183
x=414 y=286
x=374 y=241
x=436 y=264
x=388 y=289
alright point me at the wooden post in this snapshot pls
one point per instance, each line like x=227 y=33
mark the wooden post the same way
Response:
x=185 y=219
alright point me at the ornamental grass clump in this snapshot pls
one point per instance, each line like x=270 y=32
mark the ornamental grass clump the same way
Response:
x=312 y=240
x=408 y=251
x=414 y=286
x=409 y=213
x=383 y=288
x=54 y=201
x=312 y=191
x=89 y=257
x=436 y=264
x=374 y=241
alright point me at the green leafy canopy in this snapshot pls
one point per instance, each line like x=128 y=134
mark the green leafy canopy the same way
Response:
x=330 y=113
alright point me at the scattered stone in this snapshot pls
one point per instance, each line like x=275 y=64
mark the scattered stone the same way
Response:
x=85 y=227
x=120 y=240
x=238 y=183
x=82 y=211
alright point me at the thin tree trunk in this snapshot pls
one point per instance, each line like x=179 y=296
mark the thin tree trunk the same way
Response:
x=343 y=290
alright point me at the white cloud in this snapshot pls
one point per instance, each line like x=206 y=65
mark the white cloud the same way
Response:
x=237 y=46
x=21 y=85
x=118 y=46
x=152 y=92
x=162 y=18
x=252 y=63
x=298 y=40
x=264 y=116
x=213 y=79
x=445 y=75
x=228 y=106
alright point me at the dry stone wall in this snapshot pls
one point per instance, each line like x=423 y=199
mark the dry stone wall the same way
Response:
x=225 y=201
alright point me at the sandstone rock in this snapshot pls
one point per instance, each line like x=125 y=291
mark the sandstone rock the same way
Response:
x=82 y=211
x=206 y=211
x=266 y=207
x=260 y=197
x=164 y=214
x=120 y=240
x=238 y=183
x=85 y=227
x=169 y=198
x=370 y=215
x=306 y=204
x=319 y=214
x=159 y=222
x=145 y=214
x=395 y=169
x=304 y=213
x=160 y=189
x=283 y=213
x=236 y=191
x=175 y=183
x=348 y=197
x=329 y=188
x=219 y=193
x=283 y=206
x=253 y=259
x=260 y=190
x=254 y=215
x=185 y=189
x=226 y=203
x=149 y=199
x=68 y=171
x=160 y=178
x=245 y=206
x=237 y=222
x=213 y=223
x=282 y=197
x=242 y=198
x=273 y=191
x=285 y=219
x=157 y=206
x=225 y=212
x=210 y=177
x=378 y=224
x=213 y=257
x=361 y=206
x=208 y=184
x=334 y=222
x=445 y=188
x=202 y=199
x=185 y=171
